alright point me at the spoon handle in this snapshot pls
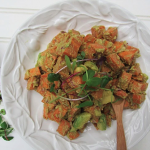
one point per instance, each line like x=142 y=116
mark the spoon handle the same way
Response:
x=121 y=141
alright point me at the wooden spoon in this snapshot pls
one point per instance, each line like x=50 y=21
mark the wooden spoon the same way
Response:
x=121 y=141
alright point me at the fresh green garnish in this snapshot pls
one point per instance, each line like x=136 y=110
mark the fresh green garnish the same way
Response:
x=53 y=77
x=84 y=104
x=5 y=129
x=83 y=54
x=80 y=57
x=73 y=65
x=68 y=63
x=3 y=112
x=52 y=89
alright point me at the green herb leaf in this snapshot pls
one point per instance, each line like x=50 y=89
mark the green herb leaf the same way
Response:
x=95 y=81
x=87 y=88
x=83 y=54
x=89 y=74
x=68 y=63
x=0 y=119
x=84 y=104
x=79 y=57
x=52 y=89
x=3 y=112
x=73 y=65
x=8 y=138
x=105 y=80
x=4 y=125
x=53 y=77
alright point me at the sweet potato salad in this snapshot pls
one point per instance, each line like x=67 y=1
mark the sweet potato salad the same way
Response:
x=81 y=76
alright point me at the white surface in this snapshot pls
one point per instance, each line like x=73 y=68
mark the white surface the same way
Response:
x=12 y=20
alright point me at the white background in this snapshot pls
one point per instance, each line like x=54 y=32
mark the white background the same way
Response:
x=13 y=13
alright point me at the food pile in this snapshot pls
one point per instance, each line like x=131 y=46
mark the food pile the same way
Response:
x=81 y=76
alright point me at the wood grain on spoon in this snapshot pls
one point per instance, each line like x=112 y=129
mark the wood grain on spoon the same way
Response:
x=121 y=141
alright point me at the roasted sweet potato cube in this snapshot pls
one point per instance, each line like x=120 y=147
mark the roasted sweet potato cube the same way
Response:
x=59 y=64
x=93 y=110
x=105 y=68
x=114 y=62
x=98 y=48
x=134 y=106
x=108 y=120
x=124 y=80
x=63 y=127
x=131 y=48
x=138 y=78
x=111 y=83
x=89 y=50
x=121 y=94
x=65 y=103
x=44 y=81
x=47 y=109
x=126 y=104
x=89 y=38
x=75 y=81
x=120 y=46
x=94 y=119
x=73 y=113
x=111 y=34
x=48 y=97
x=41 y=90
x=73 y=135
x=110 y=47
x=33 y=82
x=127 y=56
x=138 y=98
x=32 y=72
x=97 y=94
x=58 y=113
x=137 y=87
x=135 y=69
x=73 y=46
x=57 y=84
x=97 y=31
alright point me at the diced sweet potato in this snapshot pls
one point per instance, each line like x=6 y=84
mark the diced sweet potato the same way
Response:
x=114 y=62
x=32 y=72
x=112 y=83
x=131 y=48
x=47 y=109
x=63 y=127
x=137 y=87
x=97 y=31
x=41 y=90
x=135 y=69
x=73 y=135
x=138 y=78
x=120 y=46
x=89 y=38
x=105 y=68
x=57 y=114
x=33 y=82
x=59 y=64
x=127 y=56
x=111 y=34
x=126 y=104
x=48 y=97
x=110 y=47
x=65 y=103
x=138 y=98
x=75 y=81
x=98 y=48
x=97 y=94
x=121 y=94
x=44 y=81
x=108 y=120
x=89 y=50
x=73 y=113
x=124 y=80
